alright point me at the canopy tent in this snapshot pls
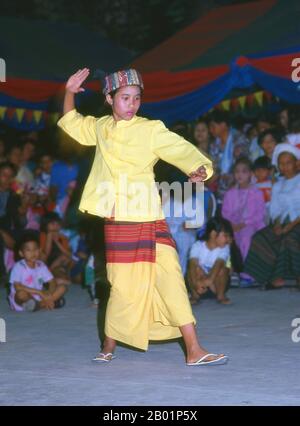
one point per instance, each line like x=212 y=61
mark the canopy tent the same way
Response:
x=235 y=46
x=39 y=56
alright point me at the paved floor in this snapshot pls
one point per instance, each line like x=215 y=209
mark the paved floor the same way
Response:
x=46 y=359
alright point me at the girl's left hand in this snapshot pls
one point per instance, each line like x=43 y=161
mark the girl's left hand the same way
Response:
x=199 y=175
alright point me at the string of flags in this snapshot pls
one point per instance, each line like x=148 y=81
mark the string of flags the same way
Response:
x=258 y=99
x=24 y=115
x=38 y=117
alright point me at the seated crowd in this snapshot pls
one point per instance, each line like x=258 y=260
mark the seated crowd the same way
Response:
x=251 y=209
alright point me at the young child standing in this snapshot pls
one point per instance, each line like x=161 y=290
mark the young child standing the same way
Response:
x=244 y=207
x=148 y=298
x=208 y=270
x=32 y=285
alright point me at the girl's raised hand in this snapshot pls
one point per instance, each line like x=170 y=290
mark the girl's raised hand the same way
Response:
x=74 y=83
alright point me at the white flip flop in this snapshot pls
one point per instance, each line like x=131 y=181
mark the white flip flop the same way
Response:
x=219 y=361
x=101 y=357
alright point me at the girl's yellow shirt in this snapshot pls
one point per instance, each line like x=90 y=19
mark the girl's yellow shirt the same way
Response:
x=122 y=182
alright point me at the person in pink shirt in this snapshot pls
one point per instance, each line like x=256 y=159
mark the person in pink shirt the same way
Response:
x=32 y=285
x=244 y=207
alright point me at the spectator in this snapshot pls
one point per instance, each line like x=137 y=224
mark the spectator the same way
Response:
x=55 y=249
x=10 y=221
x=263 y=123
x=228 y=145
x=28 y=152
x=24 y=178
x=201 y=136
x=32 y=285
x=208 y=271
x=244 y=207
x=262 y=169
x=268 y=139
x=274 y=251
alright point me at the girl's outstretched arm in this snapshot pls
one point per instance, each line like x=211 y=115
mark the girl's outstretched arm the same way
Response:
x=73 y=86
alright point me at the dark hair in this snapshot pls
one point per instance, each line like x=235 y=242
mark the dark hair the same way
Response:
x=217 y=224
x=273 y=132
x=8 y=165
x=48 y=218
x=263 y=162
x=242 y=160
x=219 y=117
x=28 y=236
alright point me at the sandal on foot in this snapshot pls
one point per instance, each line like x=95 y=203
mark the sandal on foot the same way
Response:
x=219 y=361
x=101 y=357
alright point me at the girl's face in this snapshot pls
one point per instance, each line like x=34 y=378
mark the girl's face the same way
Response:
x=287 y=164
x=268 y=145
x=30 y=252
x=262 y=174
x=126 y=102
x=53 y=227
x=222 y=239
x=284 y=118
x=201 y=133
x=242 y=174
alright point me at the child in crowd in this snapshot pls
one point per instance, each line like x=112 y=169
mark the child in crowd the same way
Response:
x=55 y=249
x=208 y=271
x=268 y=140
x=262 y=169
x=32 y=285
x=244 y=207
x=201 y=135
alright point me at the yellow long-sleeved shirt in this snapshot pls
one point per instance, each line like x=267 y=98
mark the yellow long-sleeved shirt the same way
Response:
x=121 y=182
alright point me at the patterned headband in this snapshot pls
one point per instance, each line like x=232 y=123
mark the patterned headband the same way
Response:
x=122 y=78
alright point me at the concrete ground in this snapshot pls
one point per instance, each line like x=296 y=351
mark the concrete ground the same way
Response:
x=46 y=359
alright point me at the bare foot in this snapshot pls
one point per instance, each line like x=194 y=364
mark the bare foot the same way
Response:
x=225 y=301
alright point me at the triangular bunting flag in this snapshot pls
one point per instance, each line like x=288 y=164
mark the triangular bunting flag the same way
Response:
x=226 y=104
x=37 y=114
x=20 y=113
x=259 y=97
x=242 y=101
x=2 y=112
x=10 y=113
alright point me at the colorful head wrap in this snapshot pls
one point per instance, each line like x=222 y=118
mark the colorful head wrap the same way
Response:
x=284 y=147
x=122 y=78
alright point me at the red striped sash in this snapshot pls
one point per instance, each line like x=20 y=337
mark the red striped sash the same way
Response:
x=128 y=242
